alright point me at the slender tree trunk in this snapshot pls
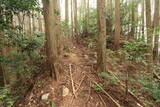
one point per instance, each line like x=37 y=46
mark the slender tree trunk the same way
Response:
x=2 y=80
x=46 y=23
x=30 y=24
x=133 y=20
x=75 y=17
x=156 y=23
x=72 y=17
x=101 y=44
x=85 y=8
x=143 y=20
x=33 y=21
x=111 y=13
x=117 y=25
x=149 y=27
x=66 y=18
x=66 y=12
x=3 y=67
x=87 y=20
x=39 y=22
x=111 y=7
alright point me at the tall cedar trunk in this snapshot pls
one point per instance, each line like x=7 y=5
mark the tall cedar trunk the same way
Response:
x=133 y=20
x=3 y=67
x=110 y=6
x=2 y=70
x=101 y=43
x=30 y=24
x=117 y=25
x=52 y=22
x=149 y=27
x=2 y=80
x=66 y=17
x=39 y=22
x=66 y=12
x=75 y=17
x=136 y=35
x=156 y=29
x=143 y=20
x=111 y=20
x=46 y=23
x=87 y=15
x=128 y=35
x=85 y=8
x=21 y=20
x=72 y=17
x=33 y=21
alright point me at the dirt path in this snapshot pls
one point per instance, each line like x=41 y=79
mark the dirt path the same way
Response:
x=79 y=63
x=75 y=86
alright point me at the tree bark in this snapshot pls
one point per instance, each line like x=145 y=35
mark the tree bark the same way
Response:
x=101 y=43
x=75 y=17
x=33 y=21
x=52 y=30
x=39 y=22
x=149 y=28
x=133 y=20
x=72 y=18
x=117 y=25
x=142 y=14
x=66 y=11
x=156 y=29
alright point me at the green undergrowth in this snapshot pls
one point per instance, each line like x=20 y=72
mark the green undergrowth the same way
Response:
x=21 y=63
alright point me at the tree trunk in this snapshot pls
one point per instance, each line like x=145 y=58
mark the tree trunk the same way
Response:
x=143 y=20
x=66 y=12
x=30 y=24
x=33 y=21
x=39 y=22
x=156 y=29
x=111 y=7
x=101 y=44
x=117 y=25
x=72 y=17
x=2 y=83
x=133 y=20
x=75 y=17
x=87 y=20
x=66 y=18
x=149 y=27
x=52 y=27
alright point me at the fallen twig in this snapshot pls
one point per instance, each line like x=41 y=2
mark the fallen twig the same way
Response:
x=73 y=88
x=102 y=100
x=80 y=83
x=156 y=75
x=117 y=104
x=89 y=93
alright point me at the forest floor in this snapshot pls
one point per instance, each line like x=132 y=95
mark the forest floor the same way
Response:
x=77 y=85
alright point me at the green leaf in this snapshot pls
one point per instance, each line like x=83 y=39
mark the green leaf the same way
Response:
x=105 y=75
x=96 y=87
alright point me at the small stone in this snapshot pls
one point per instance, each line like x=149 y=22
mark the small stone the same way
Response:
x=45 y=96
x=95 y=62
x=66 y=55
x=65 y=91
x=86 y=57
x=95 y=54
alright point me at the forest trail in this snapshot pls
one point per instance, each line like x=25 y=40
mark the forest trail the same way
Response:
x=75 y=88
x=78 y=66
